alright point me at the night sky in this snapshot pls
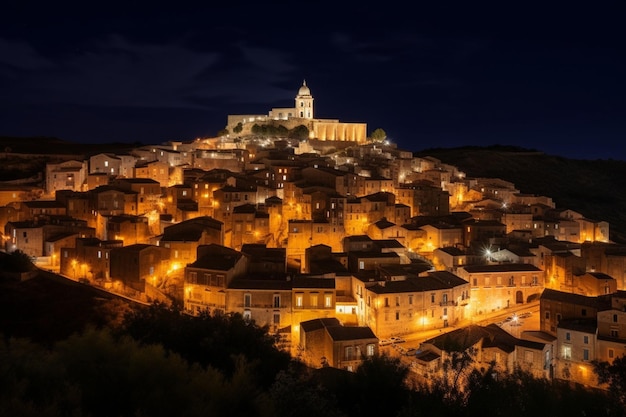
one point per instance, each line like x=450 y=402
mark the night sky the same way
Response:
x=546 y=77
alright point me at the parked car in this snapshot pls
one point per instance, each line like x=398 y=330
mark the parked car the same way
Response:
x=385 y=342
x=391 y=341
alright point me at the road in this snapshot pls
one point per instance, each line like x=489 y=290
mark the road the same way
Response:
x=515 y=326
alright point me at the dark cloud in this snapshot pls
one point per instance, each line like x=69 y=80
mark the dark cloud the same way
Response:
x=442 y=74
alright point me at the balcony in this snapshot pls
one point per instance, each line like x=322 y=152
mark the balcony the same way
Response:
x=448 y=304
x=244 y=305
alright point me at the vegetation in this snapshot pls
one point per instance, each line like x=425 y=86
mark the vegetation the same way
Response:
x=269 y=130
x=614 y=376
x=378 y=135
x=161 y=362
x=299 y=132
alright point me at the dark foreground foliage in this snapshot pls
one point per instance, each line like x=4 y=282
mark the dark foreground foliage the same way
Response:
x=161 y=362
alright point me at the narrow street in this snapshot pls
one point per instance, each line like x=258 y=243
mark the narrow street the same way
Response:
x=515 y=326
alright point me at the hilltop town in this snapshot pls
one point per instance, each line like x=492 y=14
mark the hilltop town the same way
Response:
x=333 y=240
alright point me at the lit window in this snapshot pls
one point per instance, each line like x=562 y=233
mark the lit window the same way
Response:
x=328 y=300
x=567 y=352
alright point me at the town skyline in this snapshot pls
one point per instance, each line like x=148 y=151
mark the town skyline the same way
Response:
x=310 y=235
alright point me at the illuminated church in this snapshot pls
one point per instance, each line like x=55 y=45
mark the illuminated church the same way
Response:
x=302 y=114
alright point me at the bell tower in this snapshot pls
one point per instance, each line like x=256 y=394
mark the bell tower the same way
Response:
x=304 y=102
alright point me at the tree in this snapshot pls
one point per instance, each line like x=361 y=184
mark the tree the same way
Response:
x=380 y=386
x=237 y=129
x=299 y=132
x=378 y=135
x=613 y=375
x=209 y=340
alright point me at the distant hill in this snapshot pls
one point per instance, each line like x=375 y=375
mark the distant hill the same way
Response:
x=595 y=188
x=52 y=145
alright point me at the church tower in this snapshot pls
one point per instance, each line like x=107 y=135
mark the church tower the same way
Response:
x=304 y=102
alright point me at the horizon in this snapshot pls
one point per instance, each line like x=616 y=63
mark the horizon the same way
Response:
x=444 y=77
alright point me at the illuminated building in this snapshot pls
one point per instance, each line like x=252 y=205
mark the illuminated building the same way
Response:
x=301 y=114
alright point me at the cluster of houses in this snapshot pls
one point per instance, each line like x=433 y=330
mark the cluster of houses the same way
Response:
x=333 y=246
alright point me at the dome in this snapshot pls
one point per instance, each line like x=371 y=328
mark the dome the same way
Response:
x=304 y=90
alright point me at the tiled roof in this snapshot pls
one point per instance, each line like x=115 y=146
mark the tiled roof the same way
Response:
x=313 y=282
x=350 y=333
x=220 y=260
x=504 y=267
x=601 y=303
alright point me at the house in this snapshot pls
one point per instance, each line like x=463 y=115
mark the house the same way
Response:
x=148 y=192
x=449 y=258
x=109 y=200
x=611 y=336
x=303 y=234
x=265 y=260
x=609 y=258
x=88 y=259
x=488 y=346
x=439 y=235
x=594 y=283
x=575 y=350
x=184 y=238
x=35 y=238
x=139 y=265
x=66 y=175
x=499 y=286
x=312 y=297
x=266 y=300
x=156 y=170
x=557 y=305
x=113 y=165
x=128 y=228
x=209 y=276
x=36 y=209
x=326 y=342
x=384 y=229
x=16 y=193
x=249 y=225
x=408 y=302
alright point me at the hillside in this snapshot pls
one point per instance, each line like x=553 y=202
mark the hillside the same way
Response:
x=26 y=157
x=51 y=146
x=594 y=188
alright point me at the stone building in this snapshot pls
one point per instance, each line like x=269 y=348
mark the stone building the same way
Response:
x=301 y=114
